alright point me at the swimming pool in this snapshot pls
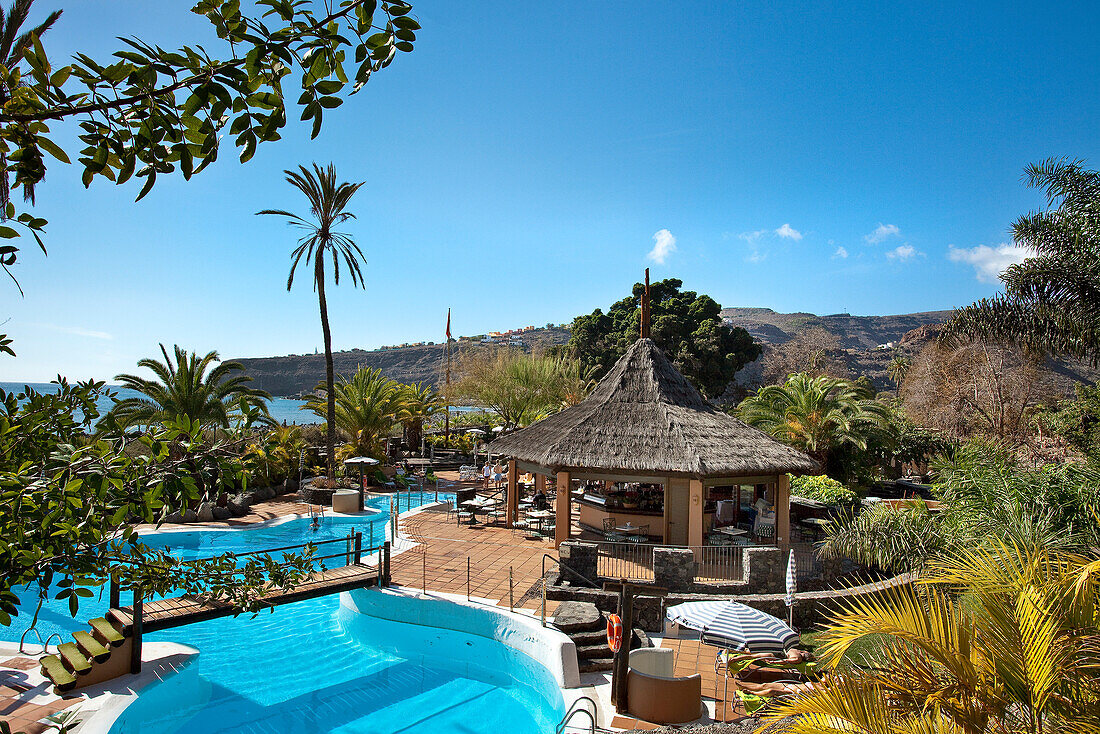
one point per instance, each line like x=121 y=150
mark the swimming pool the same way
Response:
x=55 y=618
x=320 y=667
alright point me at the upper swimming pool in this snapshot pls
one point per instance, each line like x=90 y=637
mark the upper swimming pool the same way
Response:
x=55 y=618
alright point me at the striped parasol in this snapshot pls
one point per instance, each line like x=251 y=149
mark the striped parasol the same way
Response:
x=734 y=626
x=792 y=580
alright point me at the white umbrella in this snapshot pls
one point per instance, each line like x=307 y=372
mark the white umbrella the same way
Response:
x=732 y=625
x=792 y=587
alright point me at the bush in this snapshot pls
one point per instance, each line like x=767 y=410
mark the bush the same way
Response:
x=822 y=489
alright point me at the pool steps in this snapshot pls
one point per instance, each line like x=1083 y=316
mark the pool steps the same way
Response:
x=91 y=656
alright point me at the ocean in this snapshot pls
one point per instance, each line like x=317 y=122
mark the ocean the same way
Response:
x=281 y=409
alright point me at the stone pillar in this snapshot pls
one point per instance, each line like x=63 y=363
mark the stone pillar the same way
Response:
x=512 y=510
x=696 y=503
x=783 y=513
x=765 y=569
x=562 y=506
x=674 y=568
x=580 y=557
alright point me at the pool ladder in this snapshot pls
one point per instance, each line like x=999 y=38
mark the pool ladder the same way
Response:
x=579 y=707
x=316 y=515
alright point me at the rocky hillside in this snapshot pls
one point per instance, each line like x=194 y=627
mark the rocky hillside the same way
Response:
x=862 y=339
x=854 y=332
x=299 y=373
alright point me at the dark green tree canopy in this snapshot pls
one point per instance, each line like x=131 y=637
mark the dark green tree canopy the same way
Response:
x=1051 y=302
x=687 y=326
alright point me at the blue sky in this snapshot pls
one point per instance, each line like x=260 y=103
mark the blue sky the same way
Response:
x=528 y=161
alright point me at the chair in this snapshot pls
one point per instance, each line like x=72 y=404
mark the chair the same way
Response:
x=641 y=535
x=610 y=534
x=465 y=515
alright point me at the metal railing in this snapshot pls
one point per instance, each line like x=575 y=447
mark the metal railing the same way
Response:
x=719 y=563
x=634 y=561
x=806 y=563
x=630 y=561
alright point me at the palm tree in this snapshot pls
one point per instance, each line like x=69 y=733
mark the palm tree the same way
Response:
x=1051 y=302
x=418 y=403
x=12 y=45
x=183 y=388
x=816 y=414
x=897 y=370
x=366 y=406
x=1000 y=638
x=328 y=201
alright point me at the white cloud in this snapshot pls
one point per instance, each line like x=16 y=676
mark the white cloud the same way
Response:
x=902 y=252
x=751 y=237
x=989 y=262
x=841 y=253
x=789 y=232
x=76 y=331
x=882 y=232
x=664 y=244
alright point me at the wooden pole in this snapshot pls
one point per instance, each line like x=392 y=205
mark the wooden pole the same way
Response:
x=512 y=497
x=563 y=511
x=138 y=623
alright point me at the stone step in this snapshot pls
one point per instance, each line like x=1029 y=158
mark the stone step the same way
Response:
x=578 y=616
x=588 y=652
x=593 y=637
x=595 y=665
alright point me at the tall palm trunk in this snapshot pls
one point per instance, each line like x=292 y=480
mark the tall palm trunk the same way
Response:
x=330 y=377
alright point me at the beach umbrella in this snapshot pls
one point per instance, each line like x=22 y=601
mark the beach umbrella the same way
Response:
x=734 y=626
x=792 y=587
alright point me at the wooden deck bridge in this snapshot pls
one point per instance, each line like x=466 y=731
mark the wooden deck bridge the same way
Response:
x=113 y=647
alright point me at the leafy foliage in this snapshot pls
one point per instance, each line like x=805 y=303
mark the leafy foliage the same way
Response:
x=822 y=489
x=1051 y=302
x=328 y=201
x=994 y=639
x=1075 y=420
x=986 y=497
x=816 y=414
x=150 y=111
x=688 y=327
x=521 y=388
x=184 y=388
x=69 y=501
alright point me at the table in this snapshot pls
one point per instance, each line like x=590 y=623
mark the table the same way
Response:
x=731 y=530
x=478 y=503
x=540 y=516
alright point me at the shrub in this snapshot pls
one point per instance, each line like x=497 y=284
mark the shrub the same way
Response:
x=822 y=489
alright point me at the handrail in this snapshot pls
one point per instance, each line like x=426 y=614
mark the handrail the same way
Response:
x=574 y=710
x=45 y=645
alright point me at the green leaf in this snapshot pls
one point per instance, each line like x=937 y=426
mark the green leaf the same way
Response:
x=8 y=233
x=404 y=46
x=330 y=102
x=52 y=148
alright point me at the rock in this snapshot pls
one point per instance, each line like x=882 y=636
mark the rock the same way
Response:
x=238 y=505
x=206 y=512
x=291 y=485
x=577 y=616
x=190 y=516
x=222 y=513
x=174 y=517
x=268 y=493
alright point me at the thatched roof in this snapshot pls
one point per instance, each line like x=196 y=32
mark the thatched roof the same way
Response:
x=645 y=417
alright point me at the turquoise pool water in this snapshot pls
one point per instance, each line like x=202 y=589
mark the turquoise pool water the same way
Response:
x=55 y=617
x=316 y=667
